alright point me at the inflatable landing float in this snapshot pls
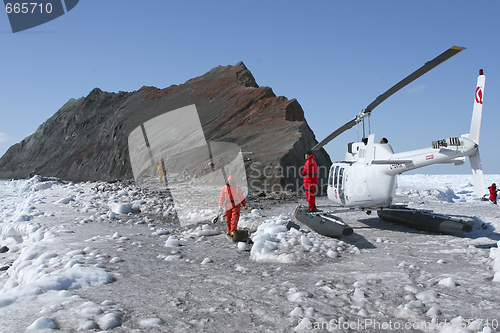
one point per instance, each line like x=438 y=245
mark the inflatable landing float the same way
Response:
x=423 y=220
x=323 y=223
x=327 y=224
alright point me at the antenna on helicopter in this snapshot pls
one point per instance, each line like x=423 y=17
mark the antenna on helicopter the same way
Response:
x=410 y=78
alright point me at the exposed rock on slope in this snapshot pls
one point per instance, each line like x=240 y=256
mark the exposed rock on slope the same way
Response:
x=87 y=138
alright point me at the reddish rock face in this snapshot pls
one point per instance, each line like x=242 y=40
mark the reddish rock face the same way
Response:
x=87 y=138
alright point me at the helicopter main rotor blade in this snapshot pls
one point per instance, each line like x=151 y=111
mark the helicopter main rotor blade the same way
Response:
x=337 y=132
x=415 y=75
x=410 y=78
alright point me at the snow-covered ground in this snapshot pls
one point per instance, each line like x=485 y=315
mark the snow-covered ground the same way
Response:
x=111 y=257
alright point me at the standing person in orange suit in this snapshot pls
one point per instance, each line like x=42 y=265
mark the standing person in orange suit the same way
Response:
x=231 y=199
x=310 y=174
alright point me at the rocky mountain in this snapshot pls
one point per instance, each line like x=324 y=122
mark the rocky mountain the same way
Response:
x=87 y=138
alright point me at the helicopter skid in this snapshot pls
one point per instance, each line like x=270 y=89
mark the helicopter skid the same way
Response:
x=324 y=223
x=423 y=220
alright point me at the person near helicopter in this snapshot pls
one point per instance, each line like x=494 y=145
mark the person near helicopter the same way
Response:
x=230 y=201
x=310 y=174
x=493 y=193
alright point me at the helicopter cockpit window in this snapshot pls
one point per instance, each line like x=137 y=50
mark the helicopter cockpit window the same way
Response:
x=330 y=178
x=335 y=176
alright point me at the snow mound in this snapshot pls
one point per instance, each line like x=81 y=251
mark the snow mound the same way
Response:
x=256 y=213
x=172 y=241
x=206 y=261
x=427 y=296
x=43 y=323
x=204 y=230
x=120 y=208
x=242 y=246
x=447 y=282
x=38 y=183
x=73 y=278
x=109 y=321
x=433 y=312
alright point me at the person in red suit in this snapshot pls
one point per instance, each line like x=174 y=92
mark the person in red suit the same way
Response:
x=231 y=199
x=493 y=193
x=310 y=174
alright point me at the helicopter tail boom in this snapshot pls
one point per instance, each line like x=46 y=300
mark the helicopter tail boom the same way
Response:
x=441 y=152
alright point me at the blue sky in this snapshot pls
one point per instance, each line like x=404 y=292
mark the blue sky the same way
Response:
x=334 y=57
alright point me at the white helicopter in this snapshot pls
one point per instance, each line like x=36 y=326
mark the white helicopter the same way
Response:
x=366 y=178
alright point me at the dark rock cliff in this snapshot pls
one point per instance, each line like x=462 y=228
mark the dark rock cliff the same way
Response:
x=87 y=138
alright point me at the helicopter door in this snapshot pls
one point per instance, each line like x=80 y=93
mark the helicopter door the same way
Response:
x=341 y=186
